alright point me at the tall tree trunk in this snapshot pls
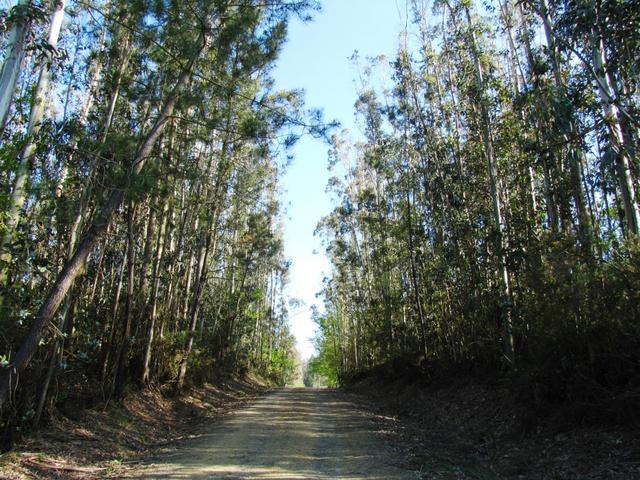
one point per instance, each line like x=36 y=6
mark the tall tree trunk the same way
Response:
x=507 y=327
x=153 y=299
x=123 y=350
x=414 y=279
x=616 y=137
x=109 y=343
x=25 y=159
x=195 y=308
x=94 y=72
x=54 y=362
x=571 y=134
x=12 y=62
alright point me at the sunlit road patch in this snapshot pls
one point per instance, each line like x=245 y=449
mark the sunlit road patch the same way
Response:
x=290 y=434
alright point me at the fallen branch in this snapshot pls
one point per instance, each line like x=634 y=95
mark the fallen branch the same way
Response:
x=67 y=468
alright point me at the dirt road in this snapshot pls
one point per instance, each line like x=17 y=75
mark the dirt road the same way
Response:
x=289 y=434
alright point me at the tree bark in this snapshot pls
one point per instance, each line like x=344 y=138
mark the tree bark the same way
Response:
x=12 y=63
x=123 y=350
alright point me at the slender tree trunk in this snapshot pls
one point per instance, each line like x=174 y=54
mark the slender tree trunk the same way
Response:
x=25 y=160
x=56 y=355
x=507 y=327
x=414 y=279
x=195 y=307
x=146 y=264
x=616 y=136
x=153 y=300
x=575 y=152
x=123 y=351
x=12 y=62
x=95 y=70
x=109 y=343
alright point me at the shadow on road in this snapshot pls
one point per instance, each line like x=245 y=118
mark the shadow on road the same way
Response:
x=289 y=434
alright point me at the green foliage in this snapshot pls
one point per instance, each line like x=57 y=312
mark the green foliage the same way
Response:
x=321 y=372
x=281 y=367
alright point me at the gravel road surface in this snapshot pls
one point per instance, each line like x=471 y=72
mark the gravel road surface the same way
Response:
x=288 y=434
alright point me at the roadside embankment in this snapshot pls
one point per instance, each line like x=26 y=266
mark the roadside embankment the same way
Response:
x=468 y=428
x=103 y=441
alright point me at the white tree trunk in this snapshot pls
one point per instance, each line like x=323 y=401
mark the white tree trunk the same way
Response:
x=11 y=64
x=487 y=140
x=616 y=137
x=19 y=194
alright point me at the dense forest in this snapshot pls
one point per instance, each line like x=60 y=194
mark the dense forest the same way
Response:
x=488 y=220
x=142 y=145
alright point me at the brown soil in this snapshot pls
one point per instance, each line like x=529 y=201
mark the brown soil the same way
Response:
x=473 y=430
x=290 y=434
x=105 y=442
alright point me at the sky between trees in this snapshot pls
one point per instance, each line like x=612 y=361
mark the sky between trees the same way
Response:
x=317 y=58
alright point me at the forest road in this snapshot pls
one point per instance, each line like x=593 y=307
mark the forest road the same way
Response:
x=288 y=434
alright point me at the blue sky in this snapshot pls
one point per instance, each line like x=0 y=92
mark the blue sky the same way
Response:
x=316 y=59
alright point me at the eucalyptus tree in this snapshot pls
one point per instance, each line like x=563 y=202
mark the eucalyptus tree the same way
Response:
x=591 y=33
x=20 y=19
x=26 y=157
x=495 y=167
